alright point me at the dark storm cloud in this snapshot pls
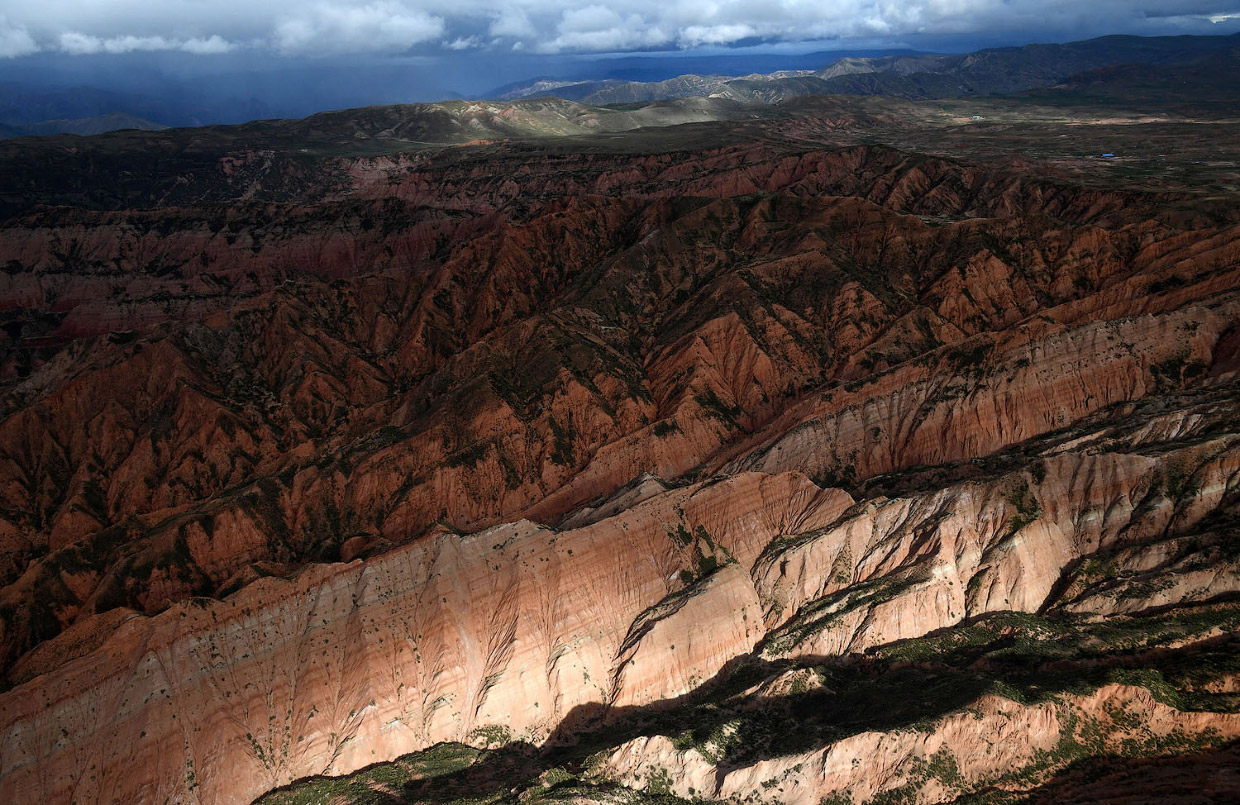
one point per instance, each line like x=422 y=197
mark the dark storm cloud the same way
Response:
x=335 y=27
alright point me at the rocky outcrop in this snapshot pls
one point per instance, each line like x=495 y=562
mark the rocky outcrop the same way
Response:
x=347 y=664
x=400 y=453
x=519 y=626
x=988 y=747
x=366 y=410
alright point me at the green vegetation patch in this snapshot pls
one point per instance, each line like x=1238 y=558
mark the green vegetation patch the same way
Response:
x=909 y=685
x=381 y=783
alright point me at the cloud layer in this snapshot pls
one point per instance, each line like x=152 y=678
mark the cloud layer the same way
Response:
x=15 y=40
x=336 y=27
x=78 y=44
x=333 y=27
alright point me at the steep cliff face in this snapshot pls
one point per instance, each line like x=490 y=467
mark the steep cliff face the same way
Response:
x=556 y=449
x=957 y=754
x=548 y=362
x=522 y=627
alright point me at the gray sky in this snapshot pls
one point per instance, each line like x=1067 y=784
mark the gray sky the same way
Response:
x=327 y=28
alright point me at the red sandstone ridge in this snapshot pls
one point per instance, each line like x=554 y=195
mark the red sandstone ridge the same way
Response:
x=520 y=625
x=370 y=409
x=640 y=451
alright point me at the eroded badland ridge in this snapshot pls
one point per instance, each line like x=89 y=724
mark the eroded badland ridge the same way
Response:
x=842 y=450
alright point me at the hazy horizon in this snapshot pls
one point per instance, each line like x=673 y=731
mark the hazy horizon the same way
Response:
x=184 y=63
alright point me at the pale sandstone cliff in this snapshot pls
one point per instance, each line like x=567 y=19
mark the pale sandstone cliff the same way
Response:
x=960 y=753
x=510 y=447
x=518 y=625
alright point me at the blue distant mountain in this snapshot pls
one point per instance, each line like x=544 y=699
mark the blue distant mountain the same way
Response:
x=994 y=71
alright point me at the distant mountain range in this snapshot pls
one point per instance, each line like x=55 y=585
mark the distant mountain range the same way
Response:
x=32 y=109
x=997 y=71
x=84 y=126
x=1105 y=71
x=1209 y=85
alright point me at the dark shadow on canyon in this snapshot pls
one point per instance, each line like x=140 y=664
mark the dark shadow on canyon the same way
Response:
x=824 y=700
x=1205 y=776
x=755 y=709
